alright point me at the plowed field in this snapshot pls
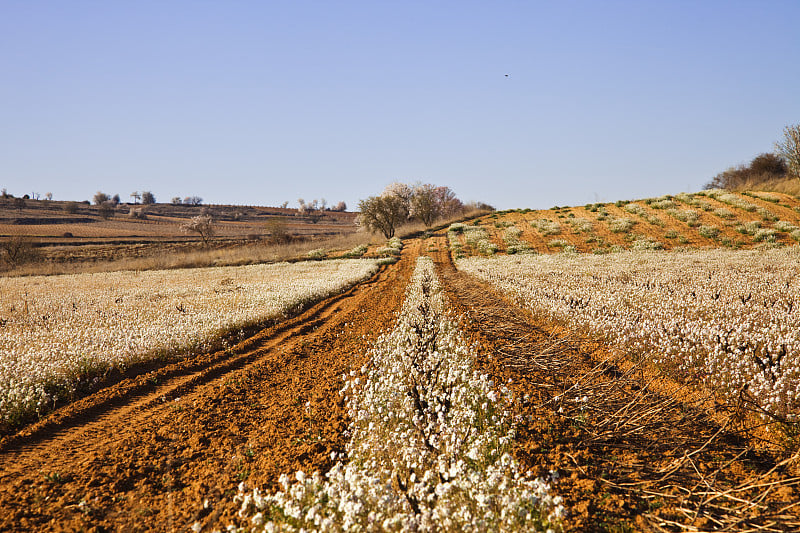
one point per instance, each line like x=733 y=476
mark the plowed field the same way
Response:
x=166 y=450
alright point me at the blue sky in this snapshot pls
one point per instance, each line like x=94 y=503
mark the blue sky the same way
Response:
x=270 y=101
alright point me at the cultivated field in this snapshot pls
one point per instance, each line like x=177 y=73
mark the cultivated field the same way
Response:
x=712 y=218
x=57 y=332
x=725 y=320
x=617 y=367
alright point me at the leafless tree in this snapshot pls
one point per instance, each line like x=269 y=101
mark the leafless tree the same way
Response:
x=382 y=213
x=203 y=225
x=789 y=149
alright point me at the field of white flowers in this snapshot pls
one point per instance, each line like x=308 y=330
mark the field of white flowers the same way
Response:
x=56 y=329
x=429 y=447
x=726 y=319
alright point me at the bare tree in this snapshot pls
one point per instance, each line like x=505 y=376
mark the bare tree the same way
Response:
x=100 y=197
x=148 y=198
x=193 y=200
x=382 y=213
x=48 y=196
x=203 y=225
x=136 y=197
x=176 y=200
x=340 y=207
x=789 y=149
x=17 y=249
x=423 y=205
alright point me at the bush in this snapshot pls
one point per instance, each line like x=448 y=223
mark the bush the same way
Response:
x=18 y=249
x=546 y=227
x=709 y=232
x=106 y=210
x=319 y=253
x=764 y=167
x=620 y=225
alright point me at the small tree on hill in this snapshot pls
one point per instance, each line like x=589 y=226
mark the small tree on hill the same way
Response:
x=100 y=197
x=424 y=206
x=382 y=213
x=148 y=198
x=203 y=225
x=789 y=149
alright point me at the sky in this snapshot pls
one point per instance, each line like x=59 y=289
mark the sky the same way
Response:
x=512 y=103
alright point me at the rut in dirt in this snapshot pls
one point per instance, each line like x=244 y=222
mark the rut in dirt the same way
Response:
x=168 y=449
x=630 y=454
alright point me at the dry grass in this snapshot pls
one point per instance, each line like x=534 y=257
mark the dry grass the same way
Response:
x=245 y=254
x=785 y=186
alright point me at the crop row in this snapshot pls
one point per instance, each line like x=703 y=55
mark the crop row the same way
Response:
x=58 y=330
x=430 y=442
x=725 y=319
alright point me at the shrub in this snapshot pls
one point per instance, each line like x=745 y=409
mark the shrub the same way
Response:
x=764 y=235
x=635 y=209
x=18 y=249
x=356 y=252
x=546 y=227
x=643 y=243
x=662 y=204
x=581 y=224
x=786 y=227
x=106 y=210
x=319 y=253
x=620 y=225
x=709 y=232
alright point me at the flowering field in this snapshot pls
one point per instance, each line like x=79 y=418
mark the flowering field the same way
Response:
x=58 y=329
x=727 y=319
x=429 y=447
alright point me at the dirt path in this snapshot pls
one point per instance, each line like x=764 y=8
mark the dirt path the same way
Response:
x=632 y=458
x=168 y=448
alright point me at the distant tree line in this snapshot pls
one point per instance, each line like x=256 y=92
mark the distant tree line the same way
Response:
x=783 y=163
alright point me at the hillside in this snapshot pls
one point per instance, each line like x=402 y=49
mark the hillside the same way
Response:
x=713 y=218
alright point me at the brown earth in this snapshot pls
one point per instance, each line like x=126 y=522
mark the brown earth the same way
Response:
x=168 y=448
x=668 y=231
x=630 y=456
x=148 y=453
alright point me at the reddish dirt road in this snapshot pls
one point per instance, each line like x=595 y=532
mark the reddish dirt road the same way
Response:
x=168 y=449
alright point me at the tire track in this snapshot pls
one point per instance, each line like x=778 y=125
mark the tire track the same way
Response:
x=151 y=452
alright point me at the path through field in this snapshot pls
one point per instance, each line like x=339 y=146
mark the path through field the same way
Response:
x=166 y=450
x=169 y=448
